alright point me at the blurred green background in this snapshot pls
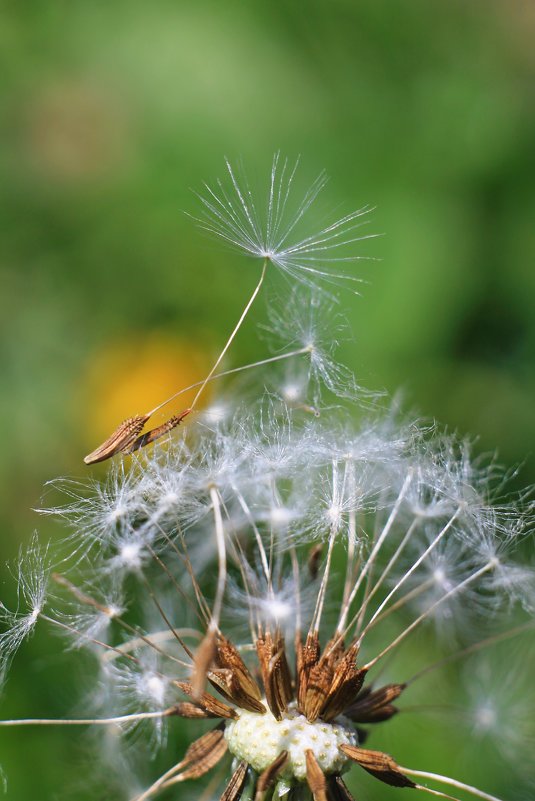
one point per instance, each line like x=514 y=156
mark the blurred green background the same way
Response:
x=111 y=111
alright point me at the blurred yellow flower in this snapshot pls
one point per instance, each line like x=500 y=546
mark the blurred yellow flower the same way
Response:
x=133 y=375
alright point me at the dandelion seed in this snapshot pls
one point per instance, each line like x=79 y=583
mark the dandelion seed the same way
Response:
x=32 y=575
x=271 y=228
x=233 y=216
x=311 y=320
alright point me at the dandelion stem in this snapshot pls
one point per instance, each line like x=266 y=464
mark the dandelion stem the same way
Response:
x=472 y=649
x=437 y=793
x=137 y=642
x=409 y=572
x=351 y=544
x=247 y=575
x=118 y=651
x=262 y=551
x=203 y=610
x=422 y=774
x=222 y=560
x=105 y=645
x=86 y=599
x=315 y=623
x=173 y=580
x=164 y=617
x=233 y=371
x=159 y=782
x=401 y=602
x=233 y=334
x=385 y=573
x=431 y=609
x=87 y=721
x=295 y=571
x=351 y=540
x=340 y=631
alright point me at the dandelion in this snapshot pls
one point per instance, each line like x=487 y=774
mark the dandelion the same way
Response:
x=257 y=577
x=289 y=672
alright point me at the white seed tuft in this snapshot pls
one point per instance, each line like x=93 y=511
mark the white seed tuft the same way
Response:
x=276 y=230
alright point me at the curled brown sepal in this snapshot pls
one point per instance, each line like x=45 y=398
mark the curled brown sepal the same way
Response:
x=319 y=677
x=375 y=706
x=275 y=673
x=307 y=656
x=205 y=703
x=315 y=777
x=233 y=679
x=347 y=681
x=338 y=790
x=267 y=779
x=234 y=788
x=318 y=682
x=122 y=438
x=202 y=755
x=379 y=765
x=185 y=709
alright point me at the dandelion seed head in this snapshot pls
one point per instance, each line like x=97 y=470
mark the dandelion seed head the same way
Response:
x=440 y=578
x=127 y=687
x=171 y=498
x=117 y=514
x=277 y=609
x=512 y=583
x=285 y=547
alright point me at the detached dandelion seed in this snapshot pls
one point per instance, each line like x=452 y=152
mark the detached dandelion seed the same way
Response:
x=252 y=580
x=231 y=214
x=271 y=228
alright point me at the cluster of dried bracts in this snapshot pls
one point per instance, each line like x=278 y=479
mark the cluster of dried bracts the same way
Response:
x=327 y=702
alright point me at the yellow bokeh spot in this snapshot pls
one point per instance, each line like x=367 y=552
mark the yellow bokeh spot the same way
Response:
x=132 y=376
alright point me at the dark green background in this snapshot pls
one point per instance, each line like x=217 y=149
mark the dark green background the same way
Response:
x=111 y=111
